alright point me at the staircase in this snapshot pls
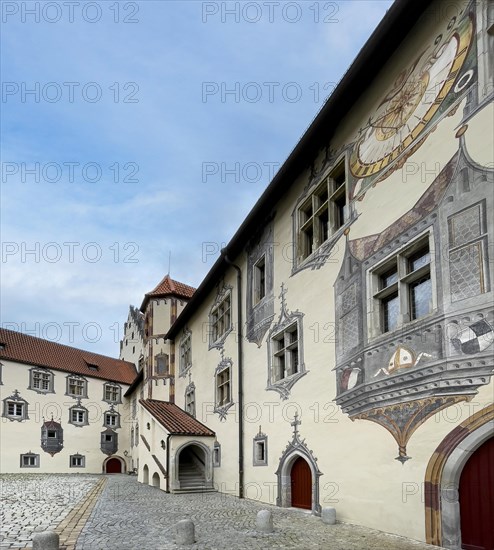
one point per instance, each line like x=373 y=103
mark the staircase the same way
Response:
x=192 y=479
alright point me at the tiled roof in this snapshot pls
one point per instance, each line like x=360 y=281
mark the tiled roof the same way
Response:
x=169 y=287
x=175 y=420
x=22 y=348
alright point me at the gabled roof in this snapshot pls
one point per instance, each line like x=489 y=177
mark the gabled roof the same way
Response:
x=168 y=287
x=391 y=31
x=22 y=348
x=175 y=420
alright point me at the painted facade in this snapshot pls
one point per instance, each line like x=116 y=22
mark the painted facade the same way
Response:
x=62 y=409
x=340 y=351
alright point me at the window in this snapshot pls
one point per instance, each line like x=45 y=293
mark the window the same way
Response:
x=134 y=406
x=260 y=457
x=402 y=288
x=185 y=352
x=109 y=441
x=223 y=395
x=220 y=318
x=322 y=213
x=136 y=435
x=161 y=364
x=76 y=386
x=111 y=419
x=111 y=393
x=216 y=454
x=29 y=460
x=259 y=280
x=78 y=415
x=190 y=399
x=285 y=353
x=15 y=408
x=132 y=437
x=41 y=381
x=77 y=461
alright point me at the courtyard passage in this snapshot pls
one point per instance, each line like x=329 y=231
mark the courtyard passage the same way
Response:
x=117 y=513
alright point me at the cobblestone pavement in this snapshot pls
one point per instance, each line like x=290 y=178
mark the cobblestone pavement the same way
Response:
x=37 y=502
x=118 y=513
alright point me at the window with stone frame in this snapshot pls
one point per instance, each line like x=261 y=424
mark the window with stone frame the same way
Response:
x=76 y=386
x=112 y=393
x=77 y=461
x=29 y=460
x=260 y=450
x=220 y=318
x=223 y=386
x=402 y=287
x=111 y=419
x=15 y=407
x=190 y=399
x=78 y=415
x=259 y=282
x=134 y=406
x=285 y=349
x=286 y=359
x=161 y=364
x=322 y=213
x=216 y=455
x=185 y=349
x=40 y=380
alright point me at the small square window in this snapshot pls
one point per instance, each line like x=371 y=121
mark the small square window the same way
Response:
x=30 y=460
x=78 y=416
x=77 y=461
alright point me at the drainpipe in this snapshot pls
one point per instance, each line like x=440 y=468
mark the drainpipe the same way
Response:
x=168 y=462
x=240 y=379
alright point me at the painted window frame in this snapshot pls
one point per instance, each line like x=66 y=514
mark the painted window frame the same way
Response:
x=29 y=455
x=223 y=384
x=216 y=455
x=397 y=267
x=80 y=382
x=259 y=280
x=85 y=416
x=260 y=441
x=185 y=351
x=115 y=416
x=220 y=320
x=322 y=213
x=190 y=399
x=115 y=389
x=78 y=457
x=15 y=400
x=46 y=376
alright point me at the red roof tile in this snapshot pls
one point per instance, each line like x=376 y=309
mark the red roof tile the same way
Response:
x=169 y=287
x=175 y=420
x=22 y=348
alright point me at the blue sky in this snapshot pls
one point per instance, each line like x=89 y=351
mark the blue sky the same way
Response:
x=132 y=130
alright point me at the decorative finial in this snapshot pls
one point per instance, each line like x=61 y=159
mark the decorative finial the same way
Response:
x=296 y=422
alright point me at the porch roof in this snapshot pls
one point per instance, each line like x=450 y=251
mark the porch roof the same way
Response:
x=175 y=420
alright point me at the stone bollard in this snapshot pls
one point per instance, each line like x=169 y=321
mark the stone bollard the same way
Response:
x=328 y=515
x=184 y=533
x=48 y=540
x=264 y=521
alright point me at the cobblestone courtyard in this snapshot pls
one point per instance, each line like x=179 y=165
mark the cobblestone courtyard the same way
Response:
x=117 y=513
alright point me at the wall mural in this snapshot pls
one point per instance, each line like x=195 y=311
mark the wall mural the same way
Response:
x=399 y=377
x=436 y=80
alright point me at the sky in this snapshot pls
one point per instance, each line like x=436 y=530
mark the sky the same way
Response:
x=136 y=137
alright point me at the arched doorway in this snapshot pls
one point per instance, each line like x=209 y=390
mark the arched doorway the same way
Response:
x=156 y=480
x=145 y=474
x=192 y=468
x=113 y=466
x=301 y=484
x=442 y=478
x=477 y=499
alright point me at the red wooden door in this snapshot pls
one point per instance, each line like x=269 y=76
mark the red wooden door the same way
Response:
x=301 y=478
x=113 y=466
x=477 y=499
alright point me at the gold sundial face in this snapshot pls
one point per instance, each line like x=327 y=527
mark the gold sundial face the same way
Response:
x=415 y=97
